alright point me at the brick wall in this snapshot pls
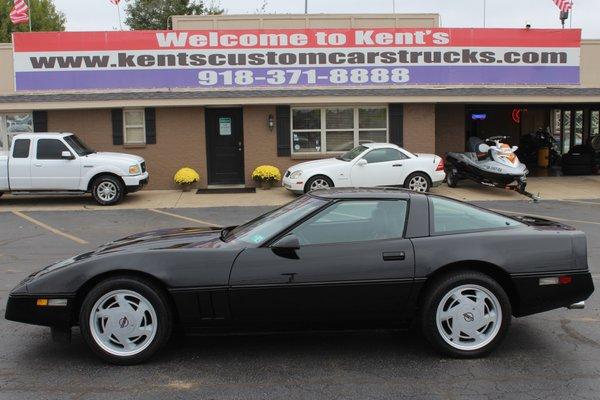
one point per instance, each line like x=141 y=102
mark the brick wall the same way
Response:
x=449 y=128
x=419 y=128
x=180 y=139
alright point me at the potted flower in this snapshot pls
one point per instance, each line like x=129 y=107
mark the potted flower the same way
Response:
x=186 y=177
x=266 y=175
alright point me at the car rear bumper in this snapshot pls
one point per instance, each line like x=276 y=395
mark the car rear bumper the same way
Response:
x=534 y=297
x=24 y=309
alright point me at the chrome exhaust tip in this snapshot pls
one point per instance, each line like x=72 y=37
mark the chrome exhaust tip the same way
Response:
x=577 y=306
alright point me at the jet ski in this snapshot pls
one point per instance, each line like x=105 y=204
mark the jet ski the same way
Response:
x=490 y=162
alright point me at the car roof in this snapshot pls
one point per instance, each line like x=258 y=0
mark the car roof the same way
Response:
x=378 y=145
x=364 y=193
x=36 y=134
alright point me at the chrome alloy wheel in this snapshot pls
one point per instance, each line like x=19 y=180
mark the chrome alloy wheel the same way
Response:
x=469 y=317
x=418 y=184
x=123 y=323
x=319 y=183
x=106 y=191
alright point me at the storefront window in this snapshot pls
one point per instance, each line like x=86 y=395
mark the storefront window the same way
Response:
x=337 y=129
x=566 y=131
x=595 y=123
x=578 y=127
x=11 y=124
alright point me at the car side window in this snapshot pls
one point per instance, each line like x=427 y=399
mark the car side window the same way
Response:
x=354 y=221
x=50 y=149
x=454 y=217
x=383 y=155
x=21 y=148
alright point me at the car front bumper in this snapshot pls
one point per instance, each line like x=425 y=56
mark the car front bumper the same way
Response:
x=23 y=308
x=136 y=182
x=293 y=185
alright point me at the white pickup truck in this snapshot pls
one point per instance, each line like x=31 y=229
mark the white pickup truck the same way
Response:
x=59 y=163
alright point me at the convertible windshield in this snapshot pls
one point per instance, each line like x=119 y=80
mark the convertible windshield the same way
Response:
x=352 y=154
x=264 y=227
x=76 y=144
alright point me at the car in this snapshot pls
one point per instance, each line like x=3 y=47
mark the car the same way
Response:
x=60 y=163
x=368 y=165
x=330 y=259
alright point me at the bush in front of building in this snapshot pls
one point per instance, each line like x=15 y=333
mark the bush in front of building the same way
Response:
x=266 y=173
x=186 y=176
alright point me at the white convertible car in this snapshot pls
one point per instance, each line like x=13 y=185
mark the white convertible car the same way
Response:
x=368 y=165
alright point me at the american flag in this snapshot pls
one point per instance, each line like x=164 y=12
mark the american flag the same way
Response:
x=115 y=2
x=564 y=5
x=18 y=14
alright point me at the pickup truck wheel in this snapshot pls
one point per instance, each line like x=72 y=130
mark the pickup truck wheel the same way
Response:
x=465 y=314
x=108 y=190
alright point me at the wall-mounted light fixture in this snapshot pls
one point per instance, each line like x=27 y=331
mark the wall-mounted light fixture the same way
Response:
x=270 y=122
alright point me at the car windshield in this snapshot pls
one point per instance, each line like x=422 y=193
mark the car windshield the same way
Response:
x=352 y=154
x=76 y=144
x=264 y=227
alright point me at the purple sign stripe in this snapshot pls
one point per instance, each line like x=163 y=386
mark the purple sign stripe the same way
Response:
x=318 y=76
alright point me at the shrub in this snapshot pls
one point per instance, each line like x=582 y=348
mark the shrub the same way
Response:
x=186 y=176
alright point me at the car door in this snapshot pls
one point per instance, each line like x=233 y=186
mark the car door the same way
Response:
x=50 y=171
x=352 y=265
x=20 y=165
x=379 y=167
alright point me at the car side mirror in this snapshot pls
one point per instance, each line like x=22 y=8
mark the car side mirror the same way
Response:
x=67 y=155
x=362 y=162
x=289 y=242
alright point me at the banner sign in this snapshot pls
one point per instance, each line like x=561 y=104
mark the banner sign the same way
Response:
x=289 y=58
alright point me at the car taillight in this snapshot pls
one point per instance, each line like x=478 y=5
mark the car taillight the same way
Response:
x=440 y=166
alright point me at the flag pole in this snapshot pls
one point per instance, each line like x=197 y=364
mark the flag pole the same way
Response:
x=29 y=7
x=119 y=15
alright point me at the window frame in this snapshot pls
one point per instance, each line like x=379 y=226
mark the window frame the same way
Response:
x=37 y=148
x=384 y=148
x=4 y=135
x=433 y=233
x=29 y=146
x=127 y=126
x=356 y=130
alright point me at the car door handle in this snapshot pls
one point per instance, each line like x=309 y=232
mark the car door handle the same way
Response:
x=397 y=165
x=393 y=255
x=37 y=165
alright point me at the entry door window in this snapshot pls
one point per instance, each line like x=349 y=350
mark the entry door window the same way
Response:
x=578 y=127
x=566 y=131
x=11 y=124
x=595 y=123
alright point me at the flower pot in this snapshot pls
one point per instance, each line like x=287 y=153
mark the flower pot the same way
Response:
x=186 y=187
x=265 y=185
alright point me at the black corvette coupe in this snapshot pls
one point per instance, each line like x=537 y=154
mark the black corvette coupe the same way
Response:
x=354 y=258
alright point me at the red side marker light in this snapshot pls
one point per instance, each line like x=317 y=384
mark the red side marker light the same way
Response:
x=565 y=280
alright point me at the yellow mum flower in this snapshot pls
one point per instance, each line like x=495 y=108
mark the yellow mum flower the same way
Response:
x=266 y=173
x=186 y=176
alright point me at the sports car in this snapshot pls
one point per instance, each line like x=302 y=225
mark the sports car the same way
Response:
x=331 y=259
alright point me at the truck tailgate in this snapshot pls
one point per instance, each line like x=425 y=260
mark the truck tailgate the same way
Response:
x=3 y=171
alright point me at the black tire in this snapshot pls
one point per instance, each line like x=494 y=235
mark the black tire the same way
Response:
x=153 y=294
x=1 y=193
x=452 y=179
x=436 y=293
x=316 y=178
x=423 y=179
x=108 y=181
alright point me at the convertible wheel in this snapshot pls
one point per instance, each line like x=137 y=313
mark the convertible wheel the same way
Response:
x=418 y=181
x=451 y=179
x=108 y=190
x=318 y=182
x=125 y=320
x=465 y=315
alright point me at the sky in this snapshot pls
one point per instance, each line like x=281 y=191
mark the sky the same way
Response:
x=102 y=14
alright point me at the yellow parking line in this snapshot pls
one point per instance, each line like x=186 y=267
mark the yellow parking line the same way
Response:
x=48 y=227
x=199 y=221
x=545 y=216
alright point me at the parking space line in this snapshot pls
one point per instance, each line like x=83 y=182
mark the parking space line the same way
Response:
x=545 y=216
x=49 y=228
x=199 y=221
x=582 y=202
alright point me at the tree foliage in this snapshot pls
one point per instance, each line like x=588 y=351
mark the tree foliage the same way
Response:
x=44 y=17
x=154 y=14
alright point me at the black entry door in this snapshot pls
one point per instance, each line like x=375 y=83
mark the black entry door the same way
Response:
x=225 y=145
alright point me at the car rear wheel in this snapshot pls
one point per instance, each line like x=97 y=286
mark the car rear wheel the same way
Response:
x=108 y=190
x=465 y=315
x=318 y=182
x=125 y=320
x=418 y=181
x=452 y=179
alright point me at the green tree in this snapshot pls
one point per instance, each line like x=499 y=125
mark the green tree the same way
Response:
x=44 y=17
x=154 y=14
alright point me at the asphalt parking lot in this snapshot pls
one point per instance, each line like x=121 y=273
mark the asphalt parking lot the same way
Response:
x=554 y=355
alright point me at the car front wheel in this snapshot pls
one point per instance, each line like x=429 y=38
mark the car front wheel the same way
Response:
x=108 y=190
x=125 y=320
x=318 y=182
x=465 y=315
x=418 y=181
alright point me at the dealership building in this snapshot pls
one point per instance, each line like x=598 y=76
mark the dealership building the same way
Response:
x=225 y=94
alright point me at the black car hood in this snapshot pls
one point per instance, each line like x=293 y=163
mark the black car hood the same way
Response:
x=165 y=239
